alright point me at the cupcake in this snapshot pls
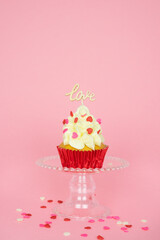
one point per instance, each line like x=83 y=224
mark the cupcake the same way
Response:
x=83 y=143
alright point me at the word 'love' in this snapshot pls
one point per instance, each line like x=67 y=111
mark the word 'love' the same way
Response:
x=74 y=95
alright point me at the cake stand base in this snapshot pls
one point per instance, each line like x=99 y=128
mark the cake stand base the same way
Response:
x=82 y=203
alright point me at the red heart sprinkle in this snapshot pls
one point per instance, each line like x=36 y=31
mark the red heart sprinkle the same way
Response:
x=128 y=226
x=60 y=201
x=76 y=120
x=98 y=131
x=67 y=219
x=71 y=113
x=89 y=119
x=88 y=227
x=64 y=121
x=47 y=225
x=99 y=237
x=43 y=207
x=89 y=130
x=53 y=217
x=50 y=201
x=28 y=214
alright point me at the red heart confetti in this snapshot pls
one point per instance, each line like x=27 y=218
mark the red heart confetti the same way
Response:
x=64 y=121
x=43 y=207
x=50 y=201
x=47 y=225
x=67 y=219
x=84 y=235
x=88 y=227
x=145 y=228
x=76 y=120
x=99 y=237
x=89 y=119
x=60 y=201
x=98 y=131
x=53 y=217
x=89 y=130
x=128 y=226
x=71 y=113
x=28 y=214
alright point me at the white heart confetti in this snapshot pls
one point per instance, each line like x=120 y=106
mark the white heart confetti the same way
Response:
x=19 y=210
x=66 y=234
x=42 y=198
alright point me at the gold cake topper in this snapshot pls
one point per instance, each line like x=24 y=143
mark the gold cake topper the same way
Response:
x=80 y=96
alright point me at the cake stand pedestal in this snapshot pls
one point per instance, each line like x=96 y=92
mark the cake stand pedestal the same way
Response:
x=82 y=202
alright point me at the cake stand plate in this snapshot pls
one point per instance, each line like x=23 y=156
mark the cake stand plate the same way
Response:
x=82 y=202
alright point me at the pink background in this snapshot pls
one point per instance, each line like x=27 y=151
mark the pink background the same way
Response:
x=109 y=47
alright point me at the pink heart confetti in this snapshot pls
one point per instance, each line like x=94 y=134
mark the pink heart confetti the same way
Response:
x=25 y=216
x=41 y=225
x=66 y=121
x=101 y=220
x=145 y=228
x=91 y=221
x=124 y=229
x=106 y=228
x=84 y=235
x=99 y=120
x=65 y=130
x=74 y=135
x=23 y=213
x=116 y=217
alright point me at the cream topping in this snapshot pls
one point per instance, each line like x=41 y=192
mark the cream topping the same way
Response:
x=81 y=129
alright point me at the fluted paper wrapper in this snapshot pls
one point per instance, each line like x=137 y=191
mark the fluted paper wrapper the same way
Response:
x=82 y=159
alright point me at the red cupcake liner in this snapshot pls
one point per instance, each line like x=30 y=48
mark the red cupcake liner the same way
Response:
x=82 y=159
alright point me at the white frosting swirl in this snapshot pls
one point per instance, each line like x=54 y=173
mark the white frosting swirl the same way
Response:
x=81 y=129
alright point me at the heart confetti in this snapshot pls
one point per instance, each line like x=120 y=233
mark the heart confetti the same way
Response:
x=89 y=119
x=19 y=219
x=41 y=225
x=128 y=226
x=99 y=237
x=91 y=221
x=89 y=130
x=67 y=219
x=47 y=225
x=100 y=220
x=42 y=198
x=116 y=217
x=53 y=216
x=145 y=228
x=66 y=234
x=19 y=210
x=88 y=227
x=43 y=207
x=119 y=222
x=106 y=228
x=60 y=201
x=143 y=220
x=84 y=235
x=50 y=201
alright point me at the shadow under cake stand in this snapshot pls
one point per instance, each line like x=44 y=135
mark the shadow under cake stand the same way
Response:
x=82 y=203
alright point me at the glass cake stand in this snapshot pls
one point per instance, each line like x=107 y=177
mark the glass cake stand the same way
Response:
x=82 y=203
